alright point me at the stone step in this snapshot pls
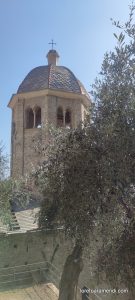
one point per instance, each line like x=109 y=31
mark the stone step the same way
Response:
x=26 y=219
x=14 y=222
x=22 y=221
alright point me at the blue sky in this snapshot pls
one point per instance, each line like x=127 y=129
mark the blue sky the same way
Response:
x=81 y=28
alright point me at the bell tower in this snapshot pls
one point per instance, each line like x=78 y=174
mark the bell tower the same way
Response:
x=49 y=94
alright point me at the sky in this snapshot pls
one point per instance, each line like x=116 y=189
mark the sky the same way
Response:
x=82 y=30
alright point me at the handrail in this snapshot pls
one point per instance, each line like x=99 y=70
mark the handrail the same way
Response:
x=15 y=273
x=9 y=281
x=27 y=271
x=19 y=266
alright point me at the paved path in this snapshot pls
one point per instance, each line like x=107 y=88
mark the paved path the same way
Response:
x=37 y=292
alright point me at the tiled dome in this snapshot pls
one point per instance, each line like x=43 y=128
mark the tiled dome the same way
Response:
x=51 y=77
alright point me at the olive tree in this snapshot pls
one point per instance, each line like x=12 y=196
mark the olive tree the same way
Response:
x=88 y=178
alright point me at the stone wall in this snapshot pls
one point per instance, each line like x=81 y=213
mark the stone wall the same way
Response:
x=32 y=247
x=39 y=246
x=23 y=139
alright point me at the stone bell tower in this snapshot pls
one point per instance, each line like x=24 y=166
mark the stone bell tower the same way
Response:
x=49 y=94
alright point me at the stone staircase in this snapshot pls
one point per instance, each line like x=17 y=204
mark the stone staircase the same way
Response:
x=14 y=223
x=21 y=221
x=27 y=219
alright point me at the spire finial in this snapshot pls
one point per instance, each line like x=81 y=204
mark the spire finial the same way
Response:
x=52 y=55
x=52 y=43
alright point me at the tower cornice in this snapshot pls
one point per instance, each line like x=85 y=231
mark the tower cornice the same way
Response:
x=48 y=92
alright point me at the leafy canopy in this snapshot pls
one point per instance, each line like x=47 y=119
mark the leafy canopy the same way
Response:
x=88 y=178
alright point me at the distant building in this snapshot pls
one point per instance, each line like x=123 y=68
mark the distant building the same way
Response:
x=49 y=94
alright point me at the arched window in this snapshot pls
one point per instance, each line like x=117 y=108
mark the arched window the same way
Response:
x=60 y=117
x=29 y=118
x=68 y=118
x=38 y=117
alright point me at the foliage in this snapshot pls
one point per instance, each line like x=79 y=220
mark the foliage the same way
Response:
x=11 y=191
x=114 y=118
x=88 y=178
x=3 y=162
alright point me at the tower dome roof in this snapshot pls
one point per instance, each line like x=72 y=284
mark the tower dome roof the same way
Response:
x=51 y=77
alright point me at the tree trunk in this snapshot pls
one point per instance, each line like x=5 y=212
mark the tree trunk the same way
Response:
x=69 y=280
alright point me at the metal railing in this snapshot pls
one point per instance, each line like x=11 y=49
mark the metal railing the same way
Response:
x=20 y=274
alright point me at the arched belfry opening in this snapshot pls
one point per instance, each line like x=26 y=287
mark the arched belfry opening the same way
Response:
x=29 y=118
x=37 y=117
x=68 y=118
x=33 y=117
x=60 y=117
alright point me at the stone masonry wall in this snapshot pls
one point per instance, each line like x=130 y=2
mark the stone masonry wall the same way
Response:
x=39 y=246
x=25 y=139
x=32 y=247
